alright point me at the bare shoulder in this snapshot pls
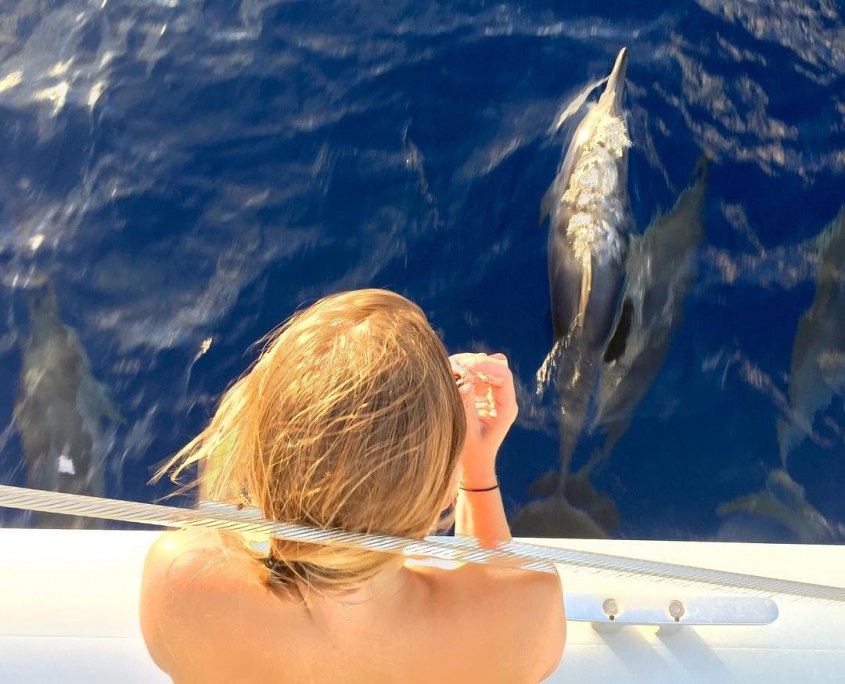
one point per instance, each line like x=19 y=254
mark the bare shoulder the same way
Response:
x=189 y=557
x=187 y=573
x=517 y=616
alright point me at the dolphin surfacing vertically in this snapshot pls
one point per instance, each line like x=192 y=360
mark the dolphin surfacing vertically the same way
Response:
x=590 y=220
x=60 y=409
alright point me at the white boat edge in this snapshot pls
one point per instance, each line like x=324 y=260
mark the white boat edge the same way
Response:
x=69 y=612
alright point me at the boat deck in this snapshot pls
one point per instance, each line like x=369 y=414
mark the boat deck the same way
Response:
x=69 y=610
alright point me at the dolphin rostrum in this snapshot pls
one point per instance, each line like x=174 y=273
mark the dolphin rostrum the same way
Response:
x=818 y=353
x=588 y=243
x=59 y=409
x=659 y=274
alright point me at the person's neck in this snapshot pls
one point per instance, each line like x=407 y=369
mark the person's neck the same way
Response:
x=383 y=586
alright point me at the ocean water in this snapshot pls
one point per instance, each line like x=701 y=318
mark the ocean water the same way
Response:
x=187 y=174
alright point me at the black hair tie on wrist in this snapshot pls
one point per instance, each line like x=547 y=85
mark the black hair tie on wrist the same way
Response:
x=483 y=489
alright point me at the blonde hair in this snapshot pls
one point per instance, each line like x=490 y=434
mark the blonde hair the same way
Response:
x=349 y=419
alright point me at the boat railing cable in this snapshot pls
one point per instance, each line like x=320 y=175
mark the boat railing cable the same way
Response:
x=459 y=549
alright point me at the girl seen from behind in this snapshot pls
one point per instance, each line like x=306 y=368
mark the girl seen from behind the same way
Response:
x=351 y=419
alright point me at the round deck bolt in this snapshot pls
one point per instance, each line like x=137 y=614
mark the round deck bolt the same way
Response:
x=610 y=608
x=676 y=610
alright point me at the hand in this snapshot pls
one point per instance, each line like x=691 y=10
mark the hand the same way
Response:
x=487 y=390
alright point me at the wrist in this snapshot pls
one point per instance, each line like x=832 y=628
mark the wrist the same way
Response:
x=478 y=490
x=481 y=479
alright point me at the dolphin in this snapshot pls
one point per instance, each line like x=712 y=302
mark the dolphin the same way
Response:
x=783 y=500
x=59 y=409
x=554 y=516
x=590 y=220
x=577 y=492
x=818 y=352
x=660 y=271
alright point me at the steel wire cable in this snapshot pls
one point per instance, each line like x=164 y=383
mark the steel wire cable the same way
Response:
x=459 y=549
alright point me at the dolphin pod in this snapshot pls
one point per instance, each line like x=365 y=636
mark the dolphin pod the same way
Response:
x=816 y=375
x=60 y=409
x=659 y=274
x=615 y=297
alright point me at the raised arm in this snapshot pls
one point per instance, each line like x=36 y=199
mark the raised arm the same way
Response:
x=520 y=613
x=487 y=391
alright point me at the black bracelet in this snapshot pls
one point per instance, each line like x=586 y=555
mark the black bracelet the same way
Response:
x=483 y=489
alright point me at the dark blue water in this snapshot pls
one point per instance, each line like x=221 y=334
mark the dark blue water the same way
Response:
x=188 y=172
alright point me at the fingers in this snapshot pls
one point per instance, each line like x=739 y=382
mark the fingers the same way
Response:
x=467 y=392
x=468 y=358
x=492 y=382
x=492 y=369
x=483 y=371
x=486 y=387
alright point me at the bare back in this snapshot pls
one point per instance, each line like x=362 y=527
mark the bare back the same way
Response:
x=208 y=615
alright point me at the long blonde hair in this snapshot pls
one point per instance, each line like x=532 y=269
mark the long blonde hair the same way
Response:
x=349 y=419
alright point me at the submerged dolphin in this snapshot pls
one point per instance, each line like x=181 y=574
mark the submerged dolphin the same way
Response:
x=588 y=243
x=659 y=275
x=818 y=353
x=554 y=516
x=783 y=500
x=59 y=410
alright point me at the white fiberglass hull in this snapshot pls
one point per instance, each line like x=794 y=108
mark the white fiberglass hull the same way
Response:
x=69 y=613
